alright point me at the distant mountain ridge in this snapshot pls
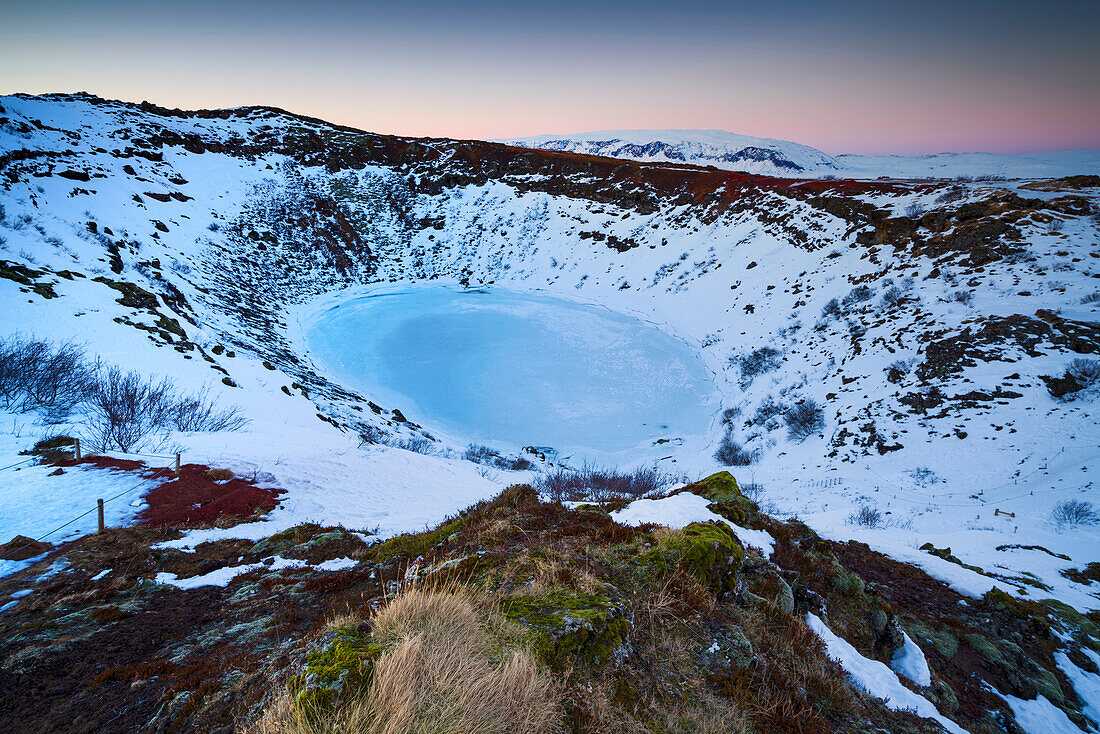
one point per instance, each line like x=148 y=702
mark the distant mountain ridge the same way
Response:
x=772 y=157
x=700 y=147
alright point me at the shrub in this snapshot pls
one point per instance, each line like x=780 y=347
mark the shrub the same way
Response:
x=729 y=415
x=867 y=516
x=1055 y=226
x=892 y=296
x=37 y=375
x=731 y=453
x=197 y=413
x=769 y=408
x=600 y=484
x=126 y=409
x=415 y=443
x=1085 y=371
x=832 y=308
x=804 y=420
x=1093 y=297
x=1074 y=512
x=963 y=296
x=487 y=456
x=756 y=362
x=859 y=294
x=914 y=210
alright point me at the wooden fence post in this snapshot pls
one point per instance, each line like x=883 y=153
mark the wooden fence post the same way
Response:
x=76 y=449
x=100 y=515
x=177 y=465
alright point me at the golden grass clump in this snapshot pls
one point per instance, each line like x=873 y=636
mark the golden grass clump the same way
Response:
x=446 y=669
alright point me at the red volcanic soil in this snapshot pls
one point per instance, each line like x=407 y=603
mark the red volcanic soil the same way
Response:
x=193 y=497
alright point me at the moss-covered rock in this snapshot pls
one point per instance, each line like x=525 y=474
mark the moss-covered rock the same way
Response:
x=708 y=551
x=343 y=664
x=567 y=626
x=725 y=496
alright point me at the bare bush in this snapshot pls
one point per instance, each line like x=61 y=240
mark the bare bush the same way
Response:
x=756 y=362
x=126 y=409
x=731 y=453
x=1074 y=512
x=1056 y=226
x=963 y=296
x=804 y=420
x=601 y=484
x=37 y=375
x=832 y=308
x=859 y=294
x=729 y=415
x=1085 y=371
x=914 y=210
x=198 y=413
x=1093 y=297
x=892 y=296
x=491 y=457
x=867 y=516
x=415 y=443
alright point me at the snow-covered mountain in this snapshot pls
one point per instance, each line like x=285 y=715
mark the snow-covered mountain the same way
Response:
x=767 y=156
x=717 y=148
x=935 y=324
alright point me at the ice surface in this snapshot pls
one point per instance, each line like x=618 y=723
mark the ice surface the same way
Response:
x=520 y=369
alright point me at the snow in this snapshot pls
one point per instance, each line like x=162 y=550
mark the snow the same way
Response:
x=689 y=277
x=680 y=510
x=1085 y=684
x=720 y=148
x=909 y=661
x=101 y=574
x=876 y=678
x=596 y=384
x=1040 y=716
x=35 y=503
x=223 y=576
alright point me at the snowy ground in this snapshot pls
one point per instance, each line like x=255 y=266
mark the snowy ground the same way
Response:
x=725 y=285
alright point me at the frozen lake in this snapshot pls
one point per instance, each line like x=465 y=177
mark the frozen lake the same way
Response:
x=510 y=369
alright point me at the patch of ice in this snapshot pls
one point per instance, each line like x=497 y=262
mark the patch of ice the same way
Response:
x=101 y=574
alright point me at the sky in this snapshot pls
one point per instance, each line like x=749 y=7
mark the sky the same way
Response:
x=845 y=76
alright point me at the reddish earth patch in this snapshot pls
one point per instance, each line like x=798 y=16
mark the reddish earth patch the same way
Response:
x=193 y=497
x=105 y=462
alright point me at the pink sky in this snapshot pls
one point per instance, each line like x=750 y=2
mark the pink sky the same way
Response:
x=850 y=78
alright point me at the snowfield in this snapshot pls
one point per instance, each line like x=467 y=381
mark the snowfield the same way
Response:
x=772 y=157
x=235 y=243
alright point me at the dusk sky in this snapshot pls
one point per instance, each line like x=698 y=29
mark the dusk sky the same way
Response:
x=864 y=77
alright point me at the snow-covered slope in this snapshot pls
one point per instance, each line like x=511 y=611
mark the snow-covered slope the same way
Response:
x=701 y=147
x=734 y=152
x=922 y=317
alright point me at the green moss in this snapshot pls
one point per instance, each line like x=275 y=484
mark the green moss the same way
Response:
x=566 y=626
x=708 y=551
x=720 y=487
x=413 y=545
x=985 y=648
x=343 y=665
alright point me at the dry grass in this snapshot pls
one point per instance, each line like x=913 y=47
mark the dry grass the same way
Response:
x=446 y=670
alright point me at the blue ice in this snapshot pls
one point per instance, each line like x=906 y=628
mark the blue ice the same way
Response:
x=511 y=369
